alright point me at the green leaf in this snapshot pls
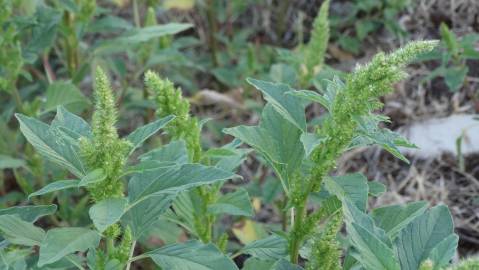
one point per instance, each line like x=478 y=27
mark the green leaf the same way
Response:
x=146 y=165
x=14 y=259
x=20 y=232
x=290 y=107
x=191 y=255
x=442 y=254
x=93 y=177
x=60 y=242
x=138 y=35
x=455 y=77
x=236 y=203
x=30 y=213
x=272 y=247
x=141 y=134
x=146 y=213
x=43 y=32
x=394 y=218
x=310 y=142
x=372 y=253
x=283 y=264
x=352 y=187
x=277 y=140
x=370 y=245
x=74 y=126
x=417 y=240
x=253 y=263
x=175 y=152
x=55 y=186
x=62 y=93
x=49 y=145
x=376 y=188
x=369 y=133
x=107 y=212
x=310 y=96
x=7 y=162
x=229 y=157
x=173 y=179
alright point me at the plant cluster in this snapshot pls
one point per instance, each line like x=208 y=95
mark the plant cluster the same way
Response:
x=95 y=195
x=452 y=55
x=364 y=17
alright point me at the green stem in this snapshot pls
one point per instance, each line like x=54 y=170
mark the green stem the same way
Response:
x=132 y=251
x=110 y=246
x=136 y=13
x=296 y=233
x=17 y=98
x=213 y=28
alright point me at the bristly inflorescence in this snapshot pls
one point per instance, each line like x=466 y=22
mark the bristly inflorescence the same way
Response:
x=359 y=96
x=105 y=150
x=325 y=249
x=10 y=50
x=170 y=102
x=315 y=50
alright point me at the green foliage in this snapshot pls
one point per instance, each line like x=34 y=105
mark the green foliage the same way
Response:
x=127 y=195
x=105 y=150
x=453 y=53
x=350 y=123
x=170 y=102
x=315 y=51
x=365 y=17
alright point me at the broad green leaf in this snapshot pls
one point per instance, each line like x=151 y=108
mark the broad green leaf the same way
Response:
x=253 y=263
x=175 y=152
x=141 y=134
x=62 y=93
x=370 y=251
x=310 y=142
x=20 y=232
x=417 y=240
x=173 y=179
x=236 y=203
x=185 y=206
x=146 y=213
x=376 y=188
x=394 y=218
x=442 y=254
x=455 y=77
x=107 y=212
x=272 y=247
x=191 y=255
x=43 y=32
x=283 y=73
x=109 y=23
x=370 y=245
x=290 y=107
x=60 y=242
x=228 y=157
x=7 y=162
x=30 y=213
x=73 y=125
x=51 y=146
x=93 y=177
x=277 y=140
x=147 y=165
x=55 y=186
x=352 y=187
x=310 y=96
x=368 y=133
x=283 y=264
x=14 y=259
x=139 y=35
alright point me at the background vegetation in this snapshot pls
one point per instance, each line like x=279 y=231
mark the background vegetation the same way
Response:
x=192 y=85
